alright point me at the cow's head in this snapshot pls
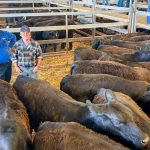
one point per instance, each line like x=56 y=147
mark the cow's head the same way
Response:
x=48 y=35
x=116 y=120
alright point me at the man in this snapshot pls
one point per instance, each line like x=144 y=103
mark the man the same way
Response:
x=7 y=40
x=27 y=54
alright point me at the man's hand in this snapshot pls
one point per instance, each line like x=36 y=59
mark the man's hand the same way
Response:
x=18 y=70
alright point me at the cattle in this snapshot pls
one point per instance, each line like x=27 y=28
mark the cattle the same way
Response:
x=85 y=86
x=112 y=50
x=138 y=38
x=105 y=40
x=45 y=103
x=138 y=56
x=87 y=53
x=71 y=135
x=139 y=64
x=140 y=118
x=14 y=123
x=131 y=45
x=45 y=35
x=125 y=36
x=110 y=67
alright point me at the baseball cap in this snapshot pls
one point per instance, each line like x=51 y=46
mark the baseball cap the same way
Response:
x=24 y=29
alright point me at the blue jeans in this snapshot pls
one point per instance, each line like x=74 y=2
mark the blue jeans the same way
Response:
x=28 y=71
x=5 y=71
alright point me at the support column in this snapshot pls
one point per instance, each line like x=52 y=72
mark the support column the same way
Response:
x=93 y=19
x=132 y=17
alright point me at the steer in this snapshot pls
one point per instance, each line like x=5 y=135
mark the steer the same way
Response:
x=110 y=67
x=14 y=123
x=131 y=45
x=105 y=40
x=71 y=135
x=138 y=38
x=85 y=86
x=87 y=53
x=45 y=103
x=141 y=119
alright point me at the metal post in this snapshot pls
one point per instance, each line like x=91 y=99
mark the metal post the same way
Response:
x=71 y=3
x=93 y=19
x=33 y=6
x=67 y=40
x=130 y=17
x=134 y=16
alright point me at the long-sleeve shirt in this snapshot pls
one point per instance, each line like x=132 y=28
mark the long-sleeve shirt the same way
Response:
x=7 y=40
x=26 y=55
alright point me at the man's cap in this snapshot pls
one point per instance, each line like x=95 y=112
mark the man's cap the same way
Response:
x=24 y=29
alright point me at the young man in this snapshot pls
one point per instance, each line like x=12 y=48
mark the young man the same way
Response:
x=27 y=54
x=7 y=40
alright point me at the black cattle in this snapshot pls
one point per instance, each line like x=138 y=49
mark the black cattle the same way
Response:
x=85 y=86
x=71 y=135
x=44 y=103
x=141 y=56
x=14 y=123
x=47 y=35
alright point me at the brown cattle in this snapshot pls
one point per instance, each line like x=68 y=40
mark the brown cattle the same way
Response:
x=145 y=65
x=107 y=39
x=87 y=53
x=141 y=119
x=84 y=86
x=110 y=67
x=131 y=45
x=45 y=103
x=138 y=38
x=71 y=136
x=14 y=123
x=112 y=49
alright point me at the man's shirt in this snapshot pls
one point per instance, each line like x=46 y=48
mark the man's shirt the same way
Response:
x=7 y=40
x=26 y=55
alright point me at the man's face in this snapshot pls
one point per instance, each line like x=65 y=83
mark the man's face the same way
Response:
x=26 y=36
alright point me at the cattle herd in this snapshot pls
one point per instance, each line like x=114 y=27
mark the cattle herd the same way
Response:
x=103 y=104
x=17 y=22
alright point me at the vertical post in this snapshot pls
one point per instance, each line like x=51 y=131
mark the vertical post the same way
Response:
x=49 y=5
x=33 y=6
x=132 y=17
x=93 y=19
x=72 y=17
x=67 y=40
